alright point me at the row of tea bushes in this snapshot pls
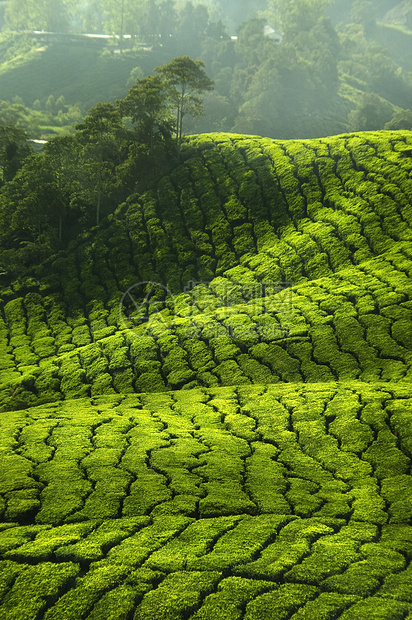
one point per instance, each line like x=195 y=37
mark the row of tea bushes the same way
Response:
x=355 y=324
x=124 y=591
x=328 y=451
x=259 y=215
x=290 y=501
x=308 y=204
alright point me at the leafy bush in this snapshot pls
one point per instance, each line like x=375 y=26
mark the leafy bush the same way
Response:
x=274 y=481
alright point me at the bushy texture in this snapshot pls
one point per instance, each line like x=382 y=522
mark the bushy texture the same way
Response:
x=279 y=261
x=276 y=502
x=239 y=444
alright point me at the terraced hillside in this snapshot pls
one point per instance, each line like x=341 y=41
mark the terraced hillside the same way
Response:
x=207 y=408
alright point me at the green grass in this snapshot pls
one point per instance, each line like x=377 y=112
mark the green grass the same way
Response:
x=241 y=446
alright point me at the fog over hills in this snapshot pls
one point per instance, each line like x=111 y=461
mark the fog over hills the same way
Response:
x=401 y=14
x=327 y=69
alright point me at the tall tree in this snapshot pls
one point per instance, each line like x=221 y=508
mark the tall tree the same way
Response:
x=22 y=14
x=87 y=16
x=61 y=159
x=167 y=24
x=158 y=22
x=123 y=16
x=192 y=27
x=146 y=103
x=187 y=80
x=29 y=203
x=149 y=22
x=13 y=150
x=100 y=139
x=51 y=15
x=251 y=42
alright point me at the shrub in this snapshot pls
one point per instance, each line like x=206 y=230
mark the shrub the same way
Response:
x=179 y=593
x=35 y=586
x=73 y=378
x=44 y=347
x=81 y=336
x=150 y=381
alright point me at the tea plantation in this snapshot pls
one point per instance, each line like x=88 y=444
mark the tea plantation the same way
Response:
x=207 y=403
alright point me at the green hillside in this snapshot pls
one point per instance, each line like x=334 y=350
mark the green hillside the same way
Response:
x=78 y=72
x=294 y=258
x=206 y=401
x=399 y=41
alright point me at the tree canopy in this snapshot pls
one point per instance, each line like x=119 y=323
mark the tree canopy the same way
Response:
x=297 y=15
x=186 y=80
x=118 y=149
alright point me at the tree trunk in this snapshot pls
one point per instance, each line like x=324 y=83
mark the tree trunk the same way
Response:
x=177 y=131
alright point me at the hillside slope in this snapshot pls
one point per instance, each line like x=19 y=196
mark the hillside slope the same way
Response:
x=271 y=261
x=78 y=72
x=206 y=402
x=291 y=501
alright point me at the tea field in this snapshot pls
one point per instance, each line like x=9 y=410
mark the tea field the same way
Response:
x=206 y=402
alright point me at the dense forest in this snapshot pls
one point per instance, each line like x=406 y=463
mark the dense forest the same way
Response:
x=205 y=310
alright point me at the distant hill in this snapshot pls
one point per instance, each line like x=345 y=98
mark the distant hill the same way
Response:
x=78 y=71
x=339 y=10
x=85 y=75
x=400 y=15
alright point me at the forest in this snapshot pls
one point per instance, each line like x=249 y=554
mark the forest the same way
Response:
x=205 y=310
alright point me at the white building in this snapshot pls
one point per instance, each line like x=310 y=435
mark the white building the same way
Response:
x=273 y=35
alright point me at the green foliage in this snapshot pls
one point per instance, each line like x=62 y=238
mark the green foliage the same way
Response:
x=35 y=586
x=124 y=481
x=178 y=593
x=308 y=80
x=186 y=80
x=146 y=105
x=239 y=446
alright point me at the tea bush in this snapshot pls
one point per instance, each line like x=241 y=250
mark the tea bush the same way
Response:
x=239 y=445
x=259 y=498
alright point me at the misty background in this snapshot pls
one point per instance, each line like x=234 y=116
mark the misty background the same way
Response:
x=281 y=68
